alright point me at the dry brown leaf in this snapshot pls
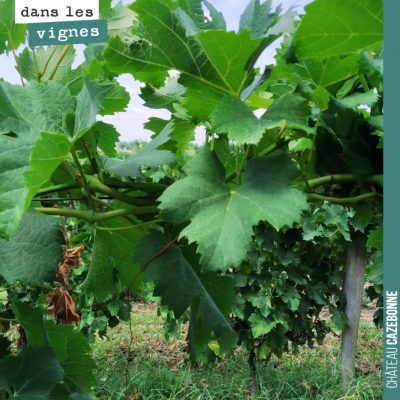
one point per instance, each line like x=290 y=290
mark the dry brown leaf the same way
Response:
x=63 y=308
x=72 y=258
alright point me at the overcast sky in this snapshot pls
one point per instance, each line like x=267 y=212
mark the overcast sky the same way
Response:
x=130 y=123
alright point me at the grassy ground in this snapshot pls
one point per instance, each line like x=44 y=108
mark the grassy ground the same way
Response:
x=160 y=369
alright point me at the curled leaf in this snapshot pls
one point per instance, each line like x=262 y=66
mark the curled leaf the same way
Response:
x=72 y=258
x=63 y=308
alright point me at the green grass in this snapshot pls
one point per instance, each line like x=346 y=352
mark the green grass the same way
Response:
x=160 y=369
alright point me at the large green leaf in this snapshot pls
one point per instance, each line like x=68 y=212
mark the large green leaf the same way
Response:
x=179 y=287
x=222 y=219
x=31 y=319
x=8 y=27
x=207 y=72
x=89 y=103
x=337 y=27
x=74 y=358
x=355 y=100
x=26 y=111
x=31 y=374
x=148 y=155
x=319 y=73
x=49 y=56
x=33 y=254
x=115 y=101
x=106 y=136
x=234 y=117
x=52 y=148
x=113 y=252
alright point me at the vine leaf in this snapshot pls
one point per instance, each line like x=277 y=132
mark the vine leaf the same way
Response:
x=89 y=103
x=326 y=30
x=33 y=254
x=261 y=325
x=31 y=319
x=209 y=295
x=63 y=307
x=222 y=219
x=148 y=155
x=373 y=69
x=375 y=273
x=113 y=252
x=207 y=72
x=234 y=117
x=320 y=73
x=106 y=137
x=258 y=17
x=164 y=97
x=59 y=392
x=194 y=20
x=375 y=238
x=38 y=111
x=17 y=373
x=26 y=111
x=52 y=148
x=9 y=27
x=182 y=134
x=28 y=67
x=74 y=357
x=353 y=101
x=339 y=318
x=70 y=346
x=115 y=101
x=119 y=19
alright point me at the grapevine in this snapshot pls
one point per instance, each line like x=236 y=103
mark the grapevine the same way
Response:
x=244 y=237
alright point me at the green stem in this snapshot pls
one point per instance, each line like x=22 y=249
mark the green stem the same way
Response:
x=212 y=142
x=149 y=187
x=97 y=186
x=123 y=228
x=6 y=319
x=69 y=169
x=83 y=177
x=110 y=207
x=316 y=197
x=64 y=52
x=281 y=132
x=57 y=188
x=346 y=178
x=273 y=147
x=48 y=60
x=363 y=82
x=35 y=61
x=15 y=57
x=92 y=218
x=143 y=187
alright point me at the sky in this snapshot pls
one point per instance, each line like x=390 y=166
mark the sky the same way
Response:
x=130 y=123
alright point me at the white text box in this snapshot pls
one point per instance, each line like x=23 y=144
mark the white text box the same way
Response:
x=32 y=11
